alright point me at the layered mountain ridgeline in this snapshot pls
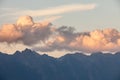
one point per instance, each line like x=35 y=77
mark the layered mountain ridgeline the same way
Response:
x=29 y=65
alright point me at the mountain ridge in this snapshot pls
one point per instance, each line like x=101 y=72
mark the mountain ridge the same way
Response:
x=29 y=65
x=27 y=50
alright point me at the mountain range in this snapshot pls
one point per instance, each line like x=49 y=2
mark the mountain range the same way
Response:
x=29 y=65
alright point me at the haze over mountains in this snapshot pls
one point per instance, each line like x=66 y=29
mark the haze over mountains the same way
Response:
x=29 y=65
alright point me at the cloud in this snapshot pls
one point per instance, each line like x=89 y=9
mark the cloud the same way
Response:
x=69 y=40
x=10 y=33
x=50 y=11
x=43 y=36
x=26 y=31
x=51 y=19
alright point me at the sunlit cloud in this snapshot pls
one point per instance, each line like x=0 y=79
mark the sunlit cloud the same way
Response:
x=25 y=30
x=94 y=41
x=43 y=36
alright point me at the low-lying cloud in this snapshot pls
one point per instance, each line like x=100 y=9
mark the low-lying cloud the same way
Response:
x=43 y=36
x=69 y=40
x=26 y=31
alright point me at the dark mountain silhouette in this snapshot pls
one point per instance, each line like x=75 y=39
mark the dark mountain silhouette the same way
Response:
x=29 y=65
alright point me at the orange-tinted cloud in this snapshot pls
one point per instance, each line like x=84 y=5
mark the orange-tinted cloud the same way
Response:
x=10 y=33
x=97 y=40
x=42 y=36
x=25 y=31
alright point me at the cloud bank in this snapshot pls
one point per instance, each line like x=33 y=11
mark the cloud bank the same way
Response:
x=94 y=41
x=43 y=36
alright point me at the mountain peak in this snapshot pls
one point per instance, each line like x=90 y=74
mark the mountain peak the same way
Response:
x=17 y=52
x=26 y=52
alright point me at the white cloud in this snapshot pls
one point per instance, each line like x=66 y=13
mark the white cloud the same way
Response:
x=49 y=11
x=51 y=18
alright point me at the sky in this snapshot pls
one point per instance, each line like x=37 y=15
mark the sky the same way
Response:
x=83 y=15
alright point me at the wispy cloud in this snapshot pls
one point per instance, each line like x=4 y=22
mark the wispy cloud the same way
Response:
x=51 y=18
x=53 y=10
x=61 y=9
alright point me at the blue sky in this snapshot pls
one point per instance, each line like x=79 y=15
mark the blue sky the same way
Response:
x=105 y=15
